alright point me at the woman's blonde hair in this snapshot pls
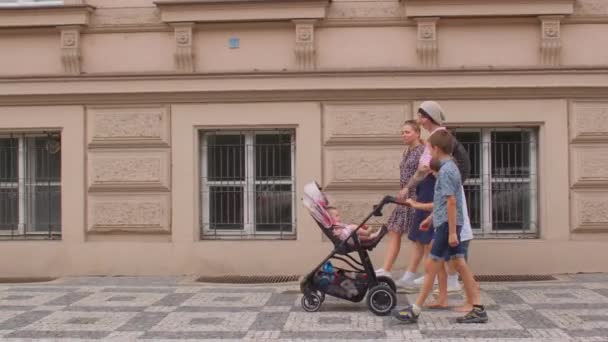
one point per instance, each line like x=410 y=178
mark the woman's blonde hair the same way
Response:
x=415 y=126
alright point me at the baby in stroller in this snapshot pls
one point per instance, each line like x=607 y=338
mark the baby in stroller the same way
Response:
x=356 y=280
x=343 y=231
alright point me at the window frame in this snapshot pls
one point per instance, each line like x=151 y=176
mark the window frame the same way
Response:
x=249 y=185
x=486 y=180
x=20 y=185
x=28 y=3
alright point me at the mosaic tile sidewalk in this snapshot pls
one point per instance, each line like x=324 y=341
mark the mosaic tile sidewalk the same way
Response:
x=574 y=308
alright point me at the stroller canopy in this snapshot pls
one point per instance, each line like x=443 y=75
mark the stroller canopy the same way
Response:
x=316 y=202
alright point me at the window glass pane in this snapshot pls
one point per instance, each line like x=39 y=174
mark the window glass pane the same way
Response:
x=510 y=154
x=226 y=157
x=273 y=156
x=472 y=143
x=43 y=208
x=9 y=151
x=9 y=195
x=9 y=210
x=226 y=207
x=473 y=196
x=511 y=206
x=273 y=212
x=45 y=159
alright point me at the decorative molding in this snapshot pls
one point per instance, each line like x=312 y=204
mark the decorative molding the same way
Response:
x=125 y=17
x=130 y=126
x=366 y=9
x=364 y=122
x=305 y=44
x=551 y=41
x=591 y=8
x=129 y=169
x=45 y=16
x=70 y=49
x=240 y=10
x=358 y=166
x=484 y=8
x=589 y=211
x=589 y=122
x=184 y=55
x=129 y=213
x=427 y=47
x=387 y=85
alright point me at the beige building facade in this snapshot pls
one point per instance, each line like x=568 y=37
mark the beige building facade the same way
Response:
x=163 y=137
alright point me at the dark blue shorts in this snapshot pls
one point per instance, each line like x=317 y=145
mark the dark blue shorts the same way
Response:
x=465 y=246
x=441 y=249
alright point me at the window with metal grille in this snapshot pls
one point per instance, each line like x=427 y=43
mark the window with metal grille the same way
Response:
x=502 y=190
x=12 y=3
x=247 y=184
x=30 y=186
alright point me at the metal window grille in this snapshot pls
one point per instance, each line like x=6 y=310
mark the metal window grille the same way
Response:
x=30 y=186
x=502 y=191
x=247 y=184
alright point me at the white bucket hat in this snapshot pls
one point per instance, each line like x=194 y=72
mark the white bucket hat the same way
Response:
x=433 y=110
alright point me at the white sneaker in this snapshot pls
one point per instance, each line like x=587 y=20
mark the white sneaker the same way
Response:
x=382 y=273
x=453 y=287
x=420 y=281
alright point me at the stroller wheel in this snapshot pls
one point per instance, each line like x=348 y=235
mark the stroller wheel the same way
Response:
x=321 y=296
x=388 y=281
x=381 y=299
x=311 y=302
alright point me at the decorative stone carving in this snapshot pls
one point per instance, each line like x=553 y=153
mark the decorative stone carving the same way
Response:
x=591 y=7
x=128 y=126
x=359 y=168
x=305 y=44
x=364 y=123
x=125 y=18
x=129 y=213
x=365 y=9
x=70 y=49
x=589 y=211
x=184 y=55
x=589 y=165
x=127 y=169
x=427 y=41
x=551 y=42
x=589 y=122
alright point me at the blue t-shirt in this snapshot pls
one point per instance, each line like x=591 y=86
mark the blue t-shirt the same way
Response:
x=448 y=184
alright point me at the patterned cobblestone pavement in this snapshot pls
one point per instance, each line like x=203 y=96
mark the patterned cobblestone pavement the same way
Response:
x=573 y=308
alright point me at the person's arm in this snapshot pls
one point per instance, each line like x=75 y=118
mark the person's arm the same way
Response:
x=426 y=223
x=419 y=206
x=420 y=174
x=453 y=237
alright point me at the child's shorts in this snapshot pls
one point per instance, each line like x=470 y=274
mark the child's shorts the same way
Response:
x=441 y=249
x=465 y=246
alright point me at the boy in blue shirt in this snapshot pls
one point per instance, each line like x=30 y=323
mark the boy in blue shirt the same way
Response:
x=448 y=220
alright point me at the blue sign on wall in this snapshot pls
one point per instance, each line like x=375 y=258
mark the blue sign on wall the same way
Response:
x=234 y=43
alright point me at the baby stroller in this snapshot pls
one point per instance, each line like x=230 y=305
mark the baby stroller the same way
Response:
x=349 y=284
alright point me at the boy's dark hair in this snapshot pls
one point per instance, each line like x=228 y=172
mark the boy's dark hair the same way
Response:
x=435 y=165
x=443 y=140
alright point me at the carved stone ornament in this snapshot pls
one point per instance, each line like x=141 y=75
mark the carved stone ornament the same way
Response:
x=184 y=55
x=305 y=45
x=70 y=50
x=427 y=41
x=551 y=43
